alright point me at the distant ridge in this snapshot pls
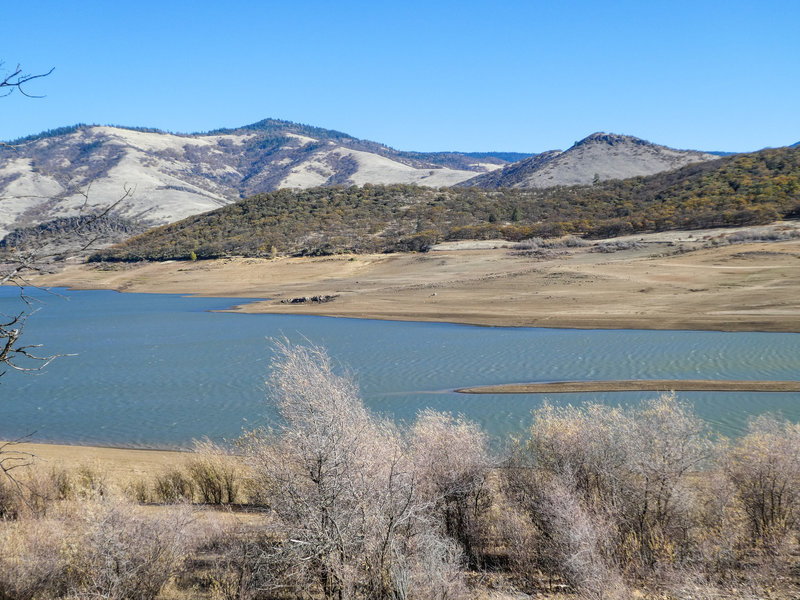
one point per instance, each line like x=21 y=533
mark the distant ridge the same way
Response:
x=598 y=157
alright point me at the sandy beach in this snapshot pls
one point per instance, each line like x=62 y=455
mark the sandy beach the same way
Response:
x=672 y=280
x=119 y=464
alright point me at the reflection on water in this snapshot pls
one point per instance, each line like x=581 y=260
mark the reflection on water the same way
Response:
x=160 y=370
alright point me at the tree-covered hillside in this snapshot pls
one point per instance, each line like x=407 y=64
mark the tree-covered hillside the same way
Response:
x=737 y=190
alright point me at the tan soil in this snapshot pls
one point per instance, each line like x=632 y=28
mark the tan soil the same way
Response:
x=667 y=284
x=119 y=464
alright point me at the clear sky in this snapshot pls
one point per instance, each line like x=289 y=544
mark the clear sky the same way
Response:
x=467 y=75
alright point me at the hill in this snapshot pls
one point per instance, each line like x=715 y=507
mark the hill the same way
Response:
x=45 y=177
x=737 y=190
x=598 y=157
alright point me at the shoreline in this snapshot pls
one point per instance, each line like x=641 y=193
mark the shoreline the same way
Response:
x=663 y=285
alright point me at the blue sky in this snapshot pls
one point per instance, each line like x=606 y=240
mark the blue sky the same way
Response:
x=467 y=76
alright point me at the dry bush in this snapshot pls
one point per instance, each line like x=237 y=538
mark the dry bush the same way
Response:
x=32 y=563
x=9 y=499
x=173 y=486
x=34 y=491
x=249 y=566
x=432 y=568
x=581 y=542
x=764 y=470
x=453 y=464
x=339 y=481
x=137 y=490
x=214 y=472
x=91 y=480
x=633 y=469
x=98 y=547
x=120 y=551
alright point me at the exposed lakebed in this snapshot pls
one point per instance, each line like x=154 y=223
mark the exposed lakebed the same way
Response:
x=153 y=370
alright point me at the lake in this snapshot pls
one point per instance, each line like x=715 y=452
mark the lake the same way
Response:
x=158 y=370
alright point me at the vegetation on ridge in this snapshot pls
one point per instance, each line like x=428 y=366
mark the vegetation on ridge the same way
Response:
x=739 y=190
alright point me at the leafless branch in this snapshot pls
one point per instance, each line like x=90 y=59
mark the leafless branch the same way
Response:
x=17 y=79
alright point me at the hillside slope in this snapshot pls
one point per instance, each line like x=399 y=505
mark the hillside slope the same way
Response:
x=598 y=157
x=738 y=190
x=45 y=177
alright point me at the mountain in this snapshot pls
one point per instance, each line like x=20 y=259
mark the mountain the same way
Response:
x=173 y=176
x=599 y=157
x=744 y=189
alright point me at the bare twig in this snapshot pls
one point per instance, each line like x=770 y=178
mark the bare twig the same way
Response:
x=17 y=79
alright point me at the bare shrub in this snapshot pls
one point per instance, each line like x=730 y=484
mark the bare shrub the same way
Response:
x=634 y=468
x=431 y=569
x=764 y=468
x=92 y=548
x=173 y=486
x=248 y=566
x=721 y=537
x=761 y=235
x=541 y=247
x=520 y=542
x=9 y=499
x=339 y=481
x=121 y=552
x=36 y=491
x=617 y=246
x=138 y=490
x=32 y=564
x=529 y=244
x=581 y=542
x=215 y=473
x=452 y=464
x=90 y=481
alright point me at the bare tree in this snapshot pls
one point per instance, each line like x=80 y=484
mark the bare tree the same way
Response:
x=343 y=488
x=36 y=252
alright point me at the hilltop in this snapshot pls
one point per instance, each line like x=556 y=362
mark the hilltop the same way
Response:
x=598 y=157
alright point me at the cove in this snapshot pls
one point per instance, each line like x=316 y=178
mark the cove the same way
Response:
x=159 y=370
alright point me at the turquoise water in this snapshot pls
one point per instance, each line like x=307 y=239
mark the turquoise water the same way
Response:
x=154 y=370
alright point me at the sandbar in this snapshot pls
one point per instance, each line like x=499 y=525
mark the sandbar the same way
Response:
x=636 y=385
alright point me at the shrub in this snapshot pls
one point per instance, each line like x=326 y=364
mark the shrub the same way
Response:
x=92 y=548
x=764 y=468
x=214 y=473
x=452 y=464
x=32 y=563
x=633 y=469
x=122 y=553
x=173 y=486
